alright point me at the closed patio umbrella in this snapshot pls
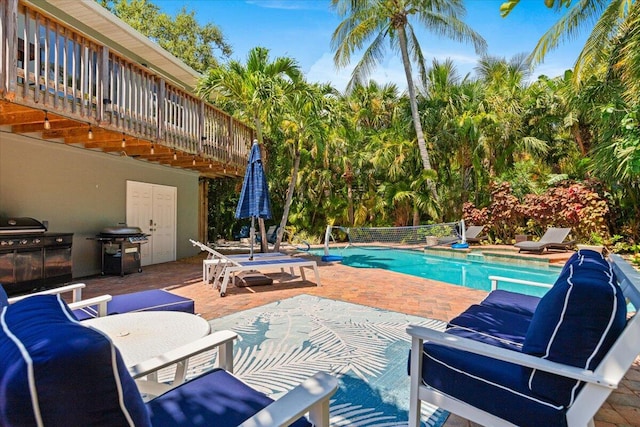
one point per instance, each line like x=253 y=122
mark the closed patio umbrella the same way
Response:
x=254 y=198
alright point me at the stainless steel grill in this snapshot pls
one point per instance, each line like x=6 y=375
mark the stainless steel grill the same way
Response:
x=30 y=258
x=121 y=252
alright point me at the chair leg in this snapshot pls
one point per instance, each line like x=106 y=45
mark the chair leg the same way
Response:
x=317 y=274
x=318 y=414
x=416 y=371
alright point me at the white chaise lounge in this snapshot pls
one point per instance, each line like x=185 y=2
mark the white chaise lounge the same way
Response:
x=221 y=268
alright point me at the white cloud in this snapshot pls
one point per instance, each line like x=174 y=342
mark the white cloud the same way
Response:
x=549 y=70
x=289 y=4
x=324 y=71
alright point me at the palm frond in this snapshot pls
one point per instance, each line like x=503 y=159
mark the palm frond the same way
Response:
x=581 y=14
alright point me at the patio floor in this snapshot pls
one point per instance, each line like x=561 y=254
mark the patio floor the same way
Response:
x=372 y=287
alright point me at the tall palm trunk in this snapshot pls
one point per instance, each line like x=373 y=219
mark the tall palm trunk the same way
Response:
x=288 y=199
x=348 y=177
x=415 y=115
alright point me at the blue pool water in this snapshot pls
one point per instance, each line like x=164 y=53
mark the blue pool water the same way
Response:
x=468 y=273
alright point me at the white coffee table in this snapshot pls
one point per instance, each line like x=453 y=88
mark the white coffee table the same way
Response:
x=143 y=335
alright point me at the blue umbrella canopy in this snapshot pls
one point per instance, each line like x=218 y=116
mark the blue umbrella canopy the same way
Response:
x=254 y=197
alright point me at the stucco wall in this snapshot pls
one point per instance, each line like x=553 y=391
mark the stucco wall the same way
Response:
x=82 y=191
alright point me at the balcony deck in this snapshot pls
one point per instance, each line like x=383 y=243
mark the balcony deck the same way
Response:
x=64 y=85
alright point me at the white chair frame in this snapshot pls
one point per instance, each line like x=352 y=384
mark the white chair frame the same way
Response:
x=77 y=301
x=311 y=396
x=599 y=383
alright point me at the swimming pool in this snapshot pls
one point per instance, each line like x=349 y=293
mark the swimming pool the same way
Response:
x=468 y=273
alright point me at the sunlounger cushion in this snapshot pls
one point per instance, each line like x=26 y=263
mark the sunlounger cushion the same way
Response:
x=575 y=323
x=47 y=357
x=491 y=385
x=151 y=300
x=511 y=301
x=212 y=399
x=248 y=278
x=491 y=325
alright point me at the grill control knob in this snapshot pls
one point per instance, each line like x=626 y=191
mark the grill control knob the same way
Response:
x=36 y=241
x=24 y=241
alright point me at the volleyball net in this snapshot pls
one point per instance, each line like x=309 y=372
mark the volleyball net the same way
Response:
x=445 y=233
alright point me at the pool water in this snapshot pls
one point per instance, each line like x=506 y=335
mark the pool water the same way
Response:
x=469 y=273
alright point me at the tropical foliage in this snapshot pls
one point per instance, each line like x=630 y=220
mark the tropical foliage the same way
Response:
x=199 y=46
x=507 y=149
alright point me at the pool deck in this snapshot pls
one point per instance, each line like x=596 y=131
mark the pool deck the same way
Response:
x=372 y=287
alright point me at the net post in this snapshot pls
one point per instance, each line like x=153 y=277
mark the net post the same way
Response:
x=463 y=231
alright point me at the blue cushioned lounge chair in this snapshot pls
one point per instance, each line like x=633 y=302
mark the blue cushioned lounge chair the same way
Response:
x=528 y=361
x=56 y=372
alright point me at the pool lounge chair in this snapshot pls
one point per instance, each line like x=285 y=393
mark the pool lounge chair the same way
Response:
x=472 y=234
x=553 y=238
x=223 y=268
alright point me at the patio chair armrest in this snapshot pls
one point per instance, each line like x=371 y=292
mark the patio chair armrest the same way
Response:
x=496 y=279
x=312 y=396
x=222 y=339
x=421 y=334
x=76 y=288
x=101 y=301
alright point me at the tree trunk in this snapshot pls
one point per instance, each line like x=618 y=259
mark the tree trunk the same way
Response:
x=348 y=175
x=288 y=200
x=415 y=114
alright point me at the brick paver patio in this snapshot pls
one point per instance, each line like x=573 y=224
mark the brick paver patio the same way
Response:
x=372 y=287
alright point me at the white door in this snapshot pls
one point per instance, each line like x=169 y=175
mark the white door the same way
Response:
x=153 y=208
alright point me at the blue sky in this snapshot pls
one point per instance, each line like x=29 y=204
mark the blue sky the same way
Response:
x=302 y=29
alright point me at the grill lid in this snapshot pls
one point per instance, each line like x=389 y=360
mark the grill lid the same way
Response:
x=16 y=225
x=120 y=231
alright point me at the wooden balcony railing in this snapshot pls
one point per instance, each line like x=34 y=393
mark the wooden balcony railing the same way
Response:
x=75 y=80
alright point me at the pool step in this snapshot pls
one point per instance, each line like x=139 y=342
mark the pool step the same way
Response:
x=475 y=256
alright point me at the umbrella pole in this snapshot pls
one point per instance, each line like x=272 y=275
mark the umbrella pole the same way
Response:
x=253 y=236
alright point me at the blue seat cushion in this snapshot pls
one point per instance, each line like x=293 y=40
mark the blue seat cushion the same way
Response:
x=493 y=386
x=55 y=370
x=215 y=398
x=512 y=301
x=491 y=325
x=151 y=300
x=575 y=323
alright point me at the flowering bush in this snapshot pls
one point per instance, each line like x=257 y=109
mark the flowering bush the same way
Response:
x=569 y=204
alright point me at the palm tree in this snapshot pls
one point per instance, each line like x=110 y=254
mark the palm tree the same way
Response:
x=609 y=16
x=390 y=19
x=256 y=89
x=303 y=126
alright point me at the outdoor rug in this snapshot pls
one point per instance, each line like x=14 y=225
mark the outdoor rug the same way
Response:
x=282 y=343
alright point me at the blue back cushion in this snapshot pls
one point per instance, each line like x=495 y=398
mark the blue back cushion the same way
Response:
x=575 y=323
x=54 y=369
x=4 y=299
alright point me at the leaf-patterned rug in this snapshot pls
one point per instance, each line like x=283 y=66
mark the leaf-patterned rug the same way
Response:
x=282 y=343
